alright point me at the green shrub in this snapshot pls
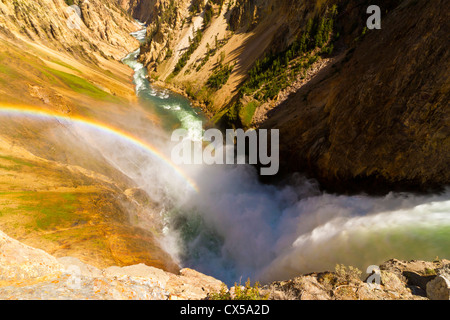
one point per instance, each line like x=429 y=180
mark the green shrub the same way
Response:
x=345 y=275
x=241 y=293
x=220 y=77
x=248 y=112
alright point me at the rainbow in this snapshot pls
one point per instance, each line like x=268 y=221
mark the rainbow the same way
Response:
x=12 y=110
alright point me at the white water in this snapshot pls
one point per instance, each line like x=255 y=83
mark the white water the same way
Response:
x=236 y=227
x=272 y=233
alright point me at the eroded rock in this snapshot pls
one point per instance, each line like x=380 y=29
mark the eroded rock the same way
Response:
x=19 y=262
x=439 y=288
x=28 y=273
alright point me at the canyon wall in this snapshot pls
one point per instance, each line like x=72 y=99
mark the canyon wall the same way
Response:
x=380 y=114
x=142 y=10
x=59 y=193
x=357 y=108
x=103 y=27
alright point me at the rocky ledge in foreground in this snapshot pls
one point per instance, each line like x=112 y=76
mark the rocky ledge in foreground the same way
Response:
x=397 y=280
x=32 y=274
x=28 y=273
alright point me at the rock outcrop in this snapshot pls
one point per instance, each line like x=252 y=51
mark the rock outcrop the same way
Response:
x=164 y=32
x=397 y=280
x=101 y=29
x=142 y=10
x=19 y=262
x=439 y=288
x=75 y=203
x=29 y=274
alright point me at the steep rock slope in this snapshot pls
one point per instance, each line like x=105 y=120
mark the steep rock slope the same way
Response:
x=58 y=193
x=380 y=114
x=357 y=108
x=103 y=28
x=143 y=10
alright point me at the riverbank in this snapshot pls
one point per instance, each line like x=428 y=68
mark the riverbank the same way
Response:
x=196 y=104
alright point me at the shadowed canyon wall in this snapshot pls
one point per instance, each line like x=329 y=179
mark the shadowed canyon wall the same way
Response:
x=371 y=112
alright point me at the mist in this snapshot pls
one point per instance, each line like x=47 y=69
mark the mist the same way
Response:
x=236 y=228
x=233 y=227
x=272 y=233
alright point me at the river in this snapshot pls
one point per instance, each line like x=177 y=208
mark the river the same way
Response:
x=234 y=227
x=171 y=107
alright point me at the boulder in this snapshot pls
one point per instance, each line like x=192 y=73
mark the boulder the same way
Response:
x=192 y=285
x=439 y=288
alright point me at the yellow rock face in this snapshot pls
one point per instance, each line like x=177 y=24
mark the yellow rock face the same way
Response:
x=61 y=197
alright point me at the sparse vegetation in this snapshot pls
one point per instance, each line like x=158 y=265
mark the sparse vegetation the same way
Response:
x=246 y=113
x=196 y=7
x=57 y=213
x=430 y=272
x=241 y=293
x=212 y=51
x=169 y=14
x=79 y=85
x=220 y=76
x=346 y=275
x=275 y=72
x=18 y=162
x=193 y=45
x=209 y=13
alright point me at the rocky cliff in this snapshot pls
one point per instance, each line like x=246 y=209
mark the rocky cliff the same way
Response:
x=59 y=194
x=357 y=108
x=142 y=10
x=379 y=115
x=101 y=28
